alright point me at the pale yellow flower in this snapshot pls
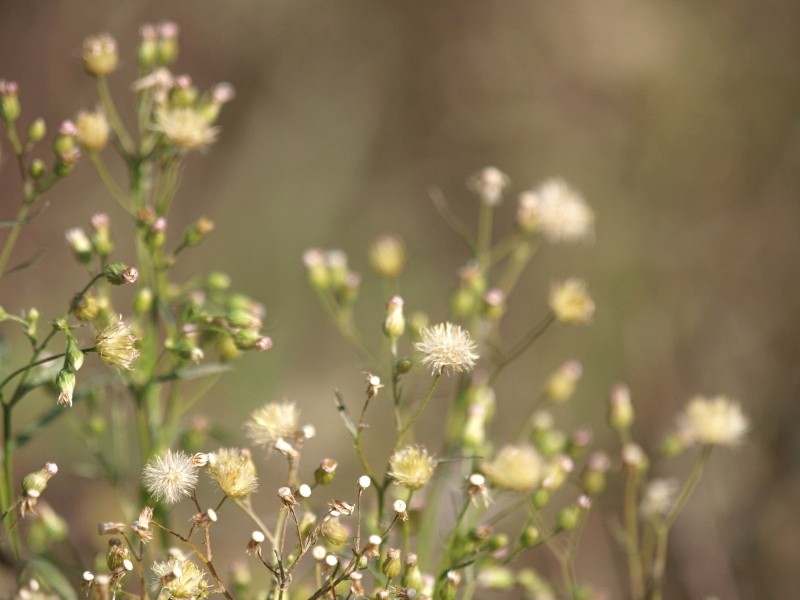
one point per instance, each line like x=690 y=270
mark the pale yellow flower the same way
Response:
x=570 y=302
x=557 y=211
x=447 y=346
x=718 y=421
x=185 y=127
x=272 y=422
x=517 y=468
x=411 y=467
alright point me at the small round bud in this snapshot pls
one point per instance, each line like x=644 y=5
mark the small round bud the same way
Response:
x=319 y=552
x=143 y=301
x=570 y=301
x=37 y=130
x=9 y=101
x=394 y=325
x=304 y=491
x=65 y=385
x=364 y=482
x=80 y=243
x=326 y=472
x=620 y=408
x=334 y=532
x=392 y=564
x=99 y=55
x=258 y=537
x=403 y=366
x=561 y=384
x=37 y=168
x=167 y=44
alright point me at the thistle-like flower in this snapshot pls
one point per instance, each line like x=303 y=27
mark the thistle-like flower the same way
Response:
x=570 y=302
x=170 y=476
x=717 y=421
x=182 y=579
x=116 y=345
x=489 y=184
x=272 y=422
x=517 y=468
x=185 y=127
x=411 y=467
x=234 y=472
x=557 y=211
x=447 y=346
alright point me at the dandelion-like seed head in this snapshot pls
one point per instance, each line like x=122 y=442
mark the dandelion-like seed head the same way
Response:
x=447 y=346
x=170 y=476
x=116 y=345
x=516 y=468
x=719 y=421
x=557 y=211
x=411 y=467
x=234 y=472
x=570 y=301
x=272 y=422
x=659 y=497
x=182 y=579
x=185 y=127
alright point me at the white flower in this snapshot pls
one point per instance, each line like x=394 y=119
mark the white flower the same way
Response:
x=185 y=127
x=517 y=468
x=170 y=476
x=659 y=497
x=116 y=345
x=570 y=302
x=447 y=346
x=489 y=184
x=718 y=421
x=272 y=422
x=558 y=211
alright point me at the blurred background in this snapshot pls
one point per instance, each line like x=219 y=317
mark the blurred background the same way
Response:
x=678 y=122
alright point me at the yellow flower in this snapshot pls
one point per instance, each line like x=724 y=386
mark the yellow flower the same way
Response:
x=570 y=302
x=717 y=421
x=272 y=422
x=234 y=472
x=411 y=467
x=116 y=345
x=447 y=346
x=517 y=468
x=185 y=128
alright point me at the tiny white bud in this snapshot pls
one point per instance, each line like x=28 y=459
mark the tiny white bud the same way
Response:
x=284 y=492
x=375 y=540
x=309 y=431
x=127 y=564
x=331 y=560
x=212 y=515
x=88 y=576
x=399 y=506
x=477 y=479
x=318 y=552
x=304 y=490
x=364 y=482
x=51 y=468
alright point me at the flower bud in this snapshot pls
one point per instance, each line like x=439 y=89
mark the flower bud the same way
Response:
x=197 y=231
x=167 y=44
x=117 y=554
x=9 y=101
x=570 y=302
x=99 y=55
x=37 y=168
x=65 y=385
x=620 y=408
x=74 y=358
x=395 y=323
x=80 y=243
x=392 y=564
x=387 y=256
x=101 y=236
x=325 y=472
x=561 y=384
x=334 y=532
x=530 y=536
x=120 y=274
x=496 y=578
x=412 y=578
x=37 y=130
x=593 y=480
x=92 y=131
x=403 y=365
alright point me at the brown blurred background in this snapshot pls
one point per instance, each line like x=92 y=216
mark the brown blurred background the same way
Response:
x=677 y=120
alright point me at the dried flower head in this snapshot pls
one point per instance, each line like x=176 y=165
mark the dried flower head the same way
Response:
x=557 y=211
x=411 y=467
x=182 y=579
x=272 y=422
x=570 y=302
x=447 y=346
x=489 y=184
x=116 y=345
x=717 y=421
x=170 y=476
x=141 y=526
x=517 y=468
x=234 y=472
x=185 y=127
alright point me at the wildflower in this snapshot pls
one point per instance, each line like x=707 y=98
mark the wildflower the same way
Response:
x=116 y=345
x=620 y=407
x=659 y=498
x=141 y=526
x=185 y=128
x=411 y=467
x=100 y=57
x=570 y=302
x=92 y=130
x=234 y=472
x=334 y=532
x=272 y=422
x=717 y=421
x=65 y=384
x=394 y=324
x=557 y=211
x=80 y=243
x=517 y=468
x=561 y=384
x=447 y=346
x=326 y=471
x=387 y=256
x=170 y=476
x=489 y=184
x=182 y=579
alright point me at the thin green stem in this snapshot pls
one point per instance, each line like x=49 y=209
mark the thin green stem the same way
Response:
x=418 y=412
x=632 y=547
x=522 y=346
x=109 y=182
x=113 y=116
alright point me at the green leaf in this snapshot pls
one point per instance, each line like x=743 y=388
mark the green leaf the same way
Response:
x=48 y=575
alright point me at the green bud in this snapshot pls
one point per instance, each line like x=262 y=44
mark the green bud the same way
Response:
x=568 y=518
x=143 y=301
x=463 y=302
x=65 y=385
x=167 y=43
x=496 y=578
x=147 y=53
x=197 y=231
x=497 y=541
x=33 y=484
x=99 y=54
x=620 y=408
x=334 y=532
x=120 y=274
x=37 y=168
x=403 y=365
x=394 y=325
x=183 y=97
x=74 y=359
x=541 y=498
x=87 y=307
x=387 y=256
x=9 y=101
x=593 y=482
x=186 y=350
x=226 y=349
x=325 y=472
x=63 y=144
x=32 y=317
x=37 y=130
x=530 y=537
x=550 y=442
x=218 y=281
x=392 y=564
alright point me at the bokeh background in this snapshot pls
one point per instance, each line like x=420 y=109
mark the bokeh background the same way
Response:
x=678 y=121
